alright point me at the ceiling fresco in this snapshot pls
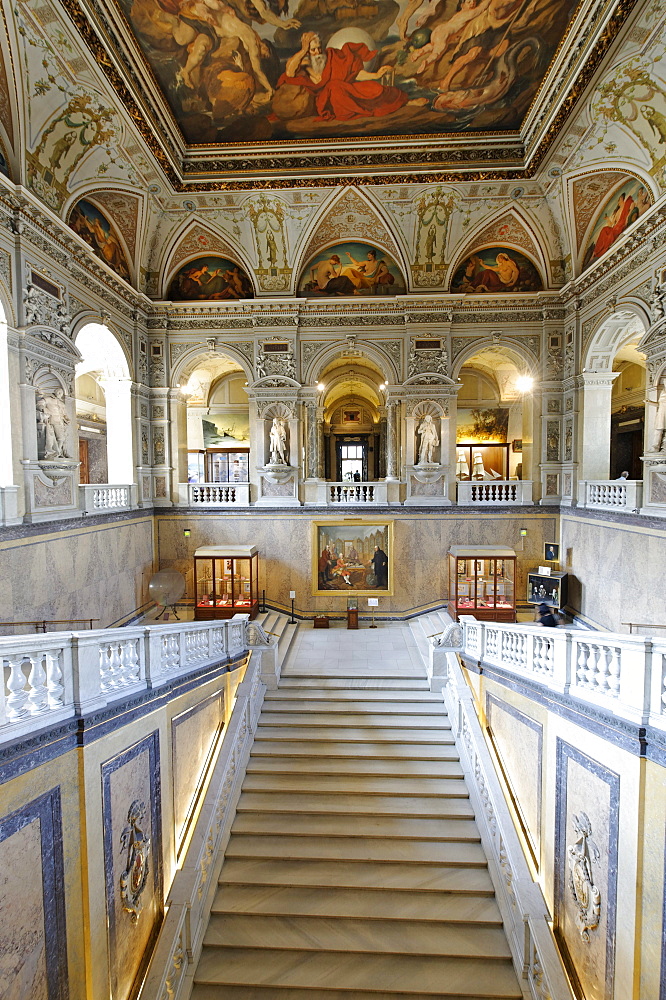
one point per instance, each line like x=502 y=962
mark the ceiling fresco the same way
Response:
x=248 y=70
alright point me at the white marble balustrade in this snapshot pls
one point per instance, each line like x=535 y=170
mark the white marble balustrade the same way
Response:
x=97 y=498
x=616 y=494
x=356 y=493
x=495 y=493
x=214 y=494
x=48 y=678
x=625 y=674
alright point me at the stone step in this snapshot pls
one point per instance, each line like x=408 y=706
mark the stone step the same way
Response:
x=350 y=803
x=387 y=734
x=362 y=904
x=428 y=852
x=353 y=936
x=219 y=992
x=342 y=721
x=382 y=683
x=402 y=877
x=331 y=770
x=443 y=751
x=436 y=976
x=334 y=826
x=356 y=707
x=341 y=697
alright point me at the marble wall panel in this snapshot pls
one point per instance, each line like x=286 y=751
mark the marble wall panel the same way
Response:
x=586 y=853
x=90 y=572
x=421 y=544
x=616 y=571
x=33 y=937
x=195 y=735
x=131 y=809
x=518 y=741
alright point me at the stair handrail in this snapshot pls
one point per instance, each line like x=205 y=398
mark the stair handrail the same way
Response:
x=54 y=676
x=622 y=673
x=527 y=921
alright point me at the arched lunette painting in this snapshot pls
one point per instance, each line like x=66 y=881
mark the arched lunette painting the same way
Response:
x=351 y=269
x=212 y=278
x=619 y=212
x=496 y=269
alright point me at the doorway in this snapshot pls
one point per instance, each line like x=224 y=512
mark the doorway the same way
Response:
x=351 y=459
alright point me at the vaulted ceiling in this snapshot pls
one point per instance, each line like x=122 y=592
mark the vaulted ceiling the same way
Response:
x=278 y=88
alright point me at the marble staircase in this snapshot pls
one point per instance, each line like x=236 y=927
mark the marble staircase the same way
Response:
x=354 y=870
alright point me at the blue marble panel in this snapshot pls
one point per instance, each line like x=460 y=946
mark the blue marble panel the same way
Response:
x=598 y=789
x=132 y=775
x=53 y=932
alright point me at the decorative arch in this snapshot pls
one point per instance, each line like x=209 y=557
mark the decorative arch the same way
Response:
x=194 y=239
x=348 y=217
x=194 y=353
x=622 y=206
x=87 y=219
x=318 y=361
x=124 y=207
x=512 y=228
x=428 y=407
x=92 y=317
x=612 y=333
x=280 y=410
x=515 y=351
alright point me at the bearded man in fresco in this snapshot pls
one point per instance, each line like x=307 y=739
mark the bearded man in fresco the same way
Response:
x=342 y=88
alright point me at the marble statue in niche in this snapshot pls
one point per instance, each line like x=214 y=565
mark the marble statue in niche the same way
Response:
x=429 y=440
x=278 y=442
x=52 y=424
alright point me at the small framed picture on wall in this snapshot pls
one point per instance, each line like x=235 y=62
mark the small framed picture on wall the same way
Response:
x=551 y=552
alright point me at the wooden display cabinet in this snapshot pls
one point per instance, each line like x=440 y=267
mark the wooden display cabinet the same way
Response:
x=482 y=582
x=226 y=581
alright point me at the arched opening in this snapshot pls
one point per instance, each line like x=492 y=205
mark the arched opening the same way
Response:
x=218 y=422
x=628 y=411
x=352 y=397
x=103 y=408
x=6 y=468
x=494 y=418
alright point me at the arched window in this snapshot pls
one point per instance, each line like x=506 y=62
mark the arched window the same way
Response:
x=103 y=407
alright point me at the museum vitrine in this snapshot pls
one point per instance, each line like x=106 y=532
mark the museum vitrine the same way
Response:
x=482 y=582
x=226 y=581
x=550 y=589
x=215 y=465
x=479 y=462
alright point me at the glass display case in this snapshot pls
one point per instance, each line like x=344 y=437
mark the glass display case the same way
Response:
x=547 y=589
x=226 y=581
x=482 y=582
x=215 y=465
x=479 y=462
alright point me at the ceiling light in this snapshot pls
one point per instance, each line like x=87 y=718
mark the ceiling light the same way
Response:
x=524 y=383
x=321 y=386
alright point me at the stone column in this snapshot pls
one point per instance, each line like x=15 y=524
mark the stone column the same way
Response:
x=320 y=442
x=391 y=440
x=594 y=428
x=311 y=441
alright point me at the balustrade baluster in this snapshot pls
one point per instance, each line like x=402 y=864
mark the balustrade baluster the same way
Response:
x=581 y=664
x=130 y=660
x=16 y=685
x=54 y=688
x=37 y=695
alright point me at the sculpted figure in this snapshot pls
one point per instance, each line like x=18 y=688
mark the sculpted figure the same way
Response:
x=278 y=442
x=52 y=421
x=429 y=440
x=660 y=420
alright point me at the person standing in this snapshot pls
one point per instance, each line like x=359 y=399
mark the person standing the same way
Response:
x=379 y=564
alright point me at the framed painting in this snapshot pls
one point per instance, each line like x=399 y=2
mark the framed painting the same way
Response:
x=619 y=212
x=352 y=557
x=210 y=278
x=551 y=552
x=495 y=270
x=351 y=269
x=93 y=226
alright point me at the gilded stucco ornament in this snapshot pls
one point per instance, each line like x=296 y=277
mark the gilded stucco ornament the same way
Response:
x=137 y=844
x=586 y=895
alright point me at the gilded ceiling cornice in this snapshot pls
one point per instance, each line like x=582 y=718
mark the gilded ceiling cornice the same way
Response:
x=422 y=159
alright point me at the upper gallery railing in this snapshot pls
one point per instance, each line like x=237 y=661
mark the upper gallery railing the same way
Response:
x=615 y=494
x=96 y=498
x=625 y=674
x=48 y=678
x=214 y=494
x=495 y=492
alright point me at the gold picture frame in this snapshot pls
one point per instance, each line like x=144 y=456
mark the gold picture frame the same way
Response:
x=352 y=556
